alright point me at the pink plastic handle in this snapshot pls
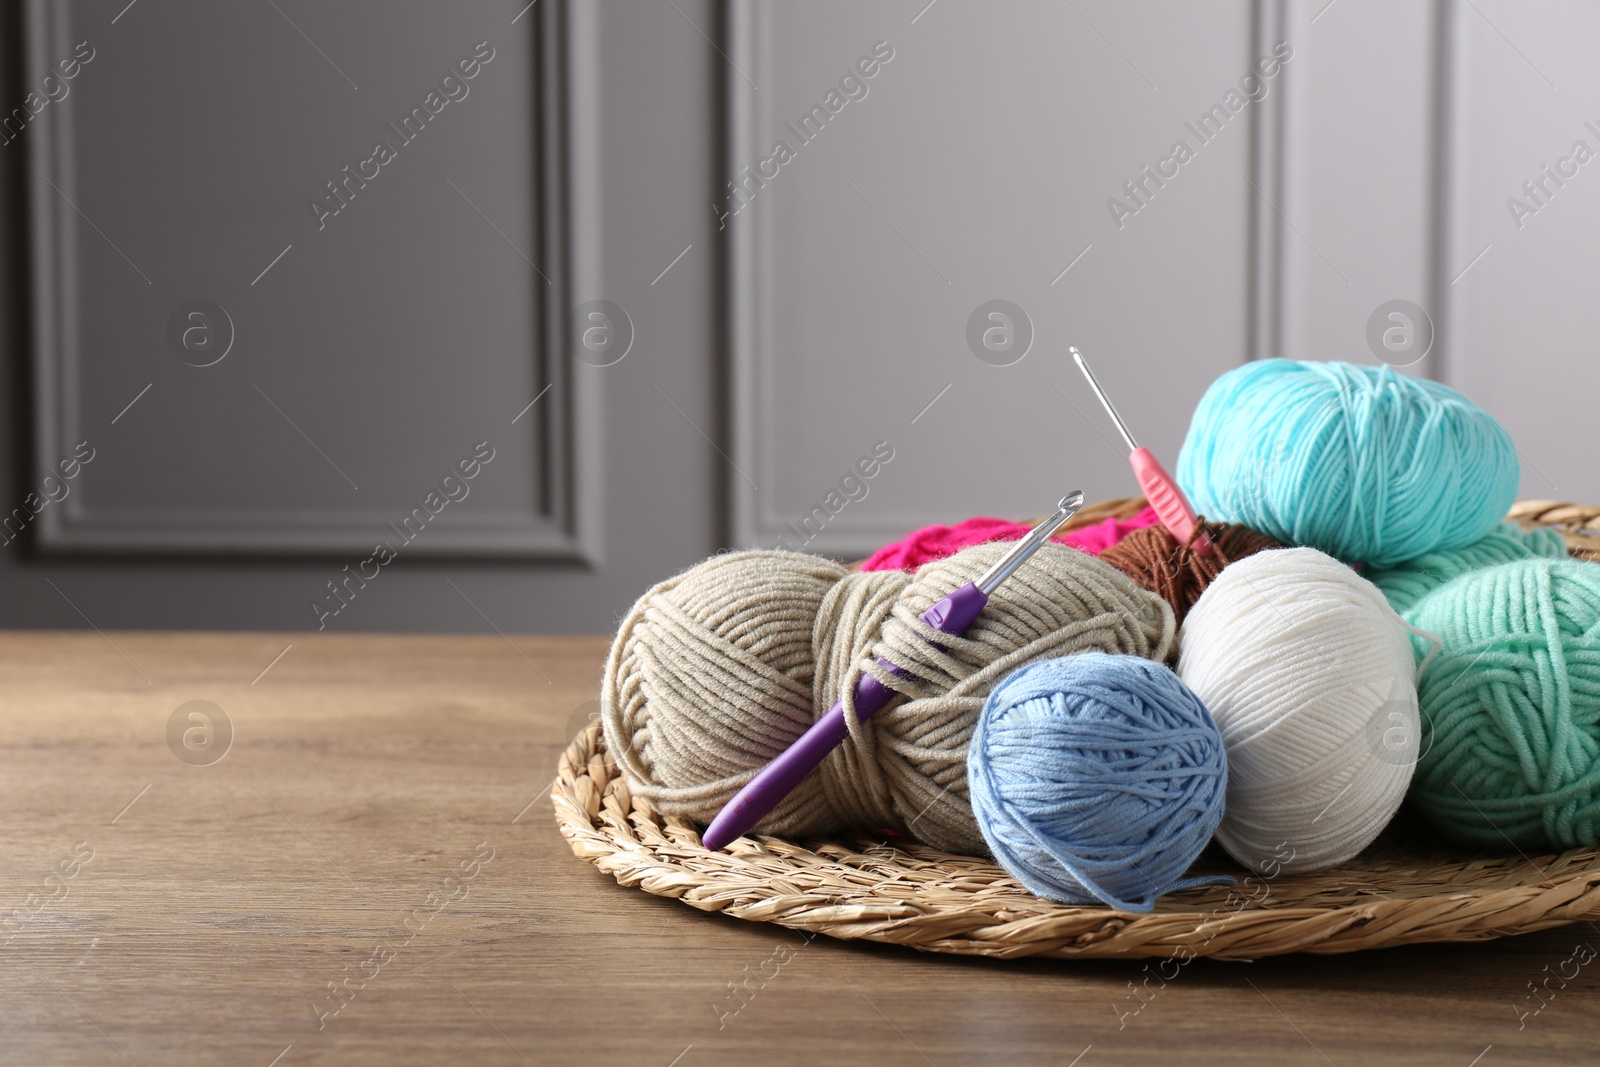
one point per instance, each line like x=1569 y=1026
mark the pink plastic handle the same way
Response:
x=1168 y=500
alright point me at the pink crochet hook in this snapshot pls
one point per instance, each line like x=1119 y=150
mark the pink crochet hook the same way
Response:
x=1160 y=488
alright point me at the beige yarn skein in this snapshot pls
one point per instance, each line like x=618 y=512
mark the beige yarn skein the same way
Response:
x=716 y=671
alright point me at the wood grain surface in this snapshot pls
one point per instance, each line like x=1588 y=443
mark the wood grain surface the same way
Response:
x=380 y=824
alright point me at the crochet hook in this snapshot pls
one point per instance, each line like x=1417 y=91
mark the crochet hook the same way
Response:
x=1160 y=488
x=951 y=615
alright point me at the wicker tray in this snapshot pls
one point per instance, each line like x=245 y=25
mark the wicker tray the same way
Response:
x=1406 y=888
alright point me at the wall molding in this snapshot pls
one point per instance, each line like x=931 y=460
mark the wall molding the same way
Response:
x=749 y=280
x=1450 y=98
x=566 y=523
x=1312 y=149
x=1267 y=152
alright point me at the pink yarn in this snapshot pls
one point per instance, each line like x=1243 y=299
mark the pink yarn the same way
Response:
x=937 y=542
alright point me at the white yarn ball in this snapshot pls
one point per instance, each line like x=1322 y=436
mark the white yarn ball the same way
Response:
x=1309 y=675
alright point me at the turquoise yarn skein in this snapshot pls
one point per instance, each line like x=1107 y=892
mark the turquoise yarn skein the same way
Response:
x=1411 y=581
x=1097 y=777
x=1511 y=706
x=1363 y=463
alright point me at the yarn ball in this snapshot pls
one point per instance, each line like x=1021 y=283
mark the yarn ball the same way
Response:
x=1411 y=581
x=1097 y=778
x=1309 y=675
x=1156 y=561
x=716 y=671
x=1366 y=464
x=1511 y=706
x=937 y=542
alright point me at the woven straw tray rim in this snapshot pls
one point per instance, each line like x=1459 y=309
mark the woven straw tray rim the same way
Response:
x=1406 y=889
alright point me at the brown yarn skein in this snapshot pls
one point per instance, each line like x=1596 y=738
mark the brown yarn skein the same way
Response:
x=716 y=671
x=1154 y=559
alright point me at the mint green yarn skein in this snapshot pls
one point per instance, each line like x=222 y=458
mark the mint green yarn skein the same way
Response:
x=1361 y=462
x=1411 y=581
x=1511 y=706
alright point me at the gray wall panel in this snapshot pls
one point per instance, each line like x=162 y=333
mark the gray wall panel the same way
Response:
x=768 y=355
x=1358 y=160
x=415 y=324
x=978 y=165
x=369 y=350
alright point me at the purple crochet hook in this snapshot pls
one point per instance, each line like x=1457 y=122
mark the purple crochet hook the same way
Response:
x=951 y=615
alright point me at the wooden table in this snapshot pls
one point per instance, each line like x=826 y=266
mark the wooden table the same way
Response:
x=391 y=790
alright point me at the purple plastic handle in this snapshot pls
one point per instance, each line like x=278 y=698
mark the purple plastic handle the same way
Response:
x=952 y=615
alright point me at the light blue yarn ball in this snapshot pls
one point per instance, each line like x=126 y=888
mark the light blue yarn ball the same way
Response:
x=1097 y=778
x=1363 y=463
